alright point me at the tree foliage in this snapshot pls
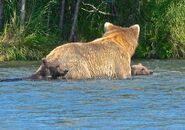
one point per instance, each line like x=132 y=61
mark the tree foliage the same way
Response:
x=162 y=25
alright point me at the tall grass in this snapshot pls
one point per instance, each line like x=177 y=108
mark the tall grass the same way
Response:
x=175 y=18
x=30 y=41
x=162 y=26
x=163 y=30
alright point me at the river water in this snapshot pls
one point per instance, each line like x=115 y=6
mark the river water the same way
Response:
x=143 y=102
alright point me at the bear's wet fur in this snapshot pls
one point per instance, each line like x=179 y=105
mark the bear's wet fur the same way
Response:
x=140 y=69
x=105 y=57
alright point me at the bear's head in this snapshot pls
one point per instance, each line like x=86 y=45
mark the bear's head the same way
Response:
x=48 y=71
x=139 y=69
x=127 y=36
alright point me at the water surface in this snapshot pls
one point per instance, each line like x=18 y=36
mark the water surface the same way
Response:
x=144 y=102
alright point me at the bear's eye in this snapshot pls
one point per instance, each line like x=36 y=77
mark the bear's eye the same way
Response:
x=142 y=69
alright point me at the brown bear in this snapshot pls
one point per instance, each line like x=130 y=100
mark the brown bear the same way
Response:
x=139 y=69
x=105 y=57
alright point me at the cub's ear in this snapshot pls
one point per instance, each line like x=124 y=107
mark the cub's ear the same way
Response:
x=108 y=26
x=44 y=61
x=136 y=29
x=140 y=64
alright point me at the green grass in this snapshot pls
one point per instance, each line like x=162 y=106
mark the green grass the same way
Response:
x=30 y=41
x=162 y=27
x=19 y=53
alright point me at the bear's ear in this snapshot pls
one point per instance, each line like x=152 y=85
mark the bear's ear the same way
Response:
x=44 y=61
x=136 y=29
x=108 y=26
x=140 y=64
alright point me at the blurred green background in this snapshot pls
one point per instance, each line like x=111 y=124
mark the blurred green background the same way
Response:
x=32 y=36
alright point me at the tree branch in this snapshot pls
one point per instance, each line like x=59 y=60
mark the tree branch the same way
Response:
x=94 y=9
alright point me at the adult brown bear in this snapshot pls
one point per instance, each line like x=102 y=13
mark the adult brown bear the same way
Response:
x=105 y=57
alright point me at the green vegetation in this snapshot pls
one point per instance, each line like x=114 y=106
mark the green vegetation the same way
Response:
x=30 y=41
x=162 y=26
x=163 y=30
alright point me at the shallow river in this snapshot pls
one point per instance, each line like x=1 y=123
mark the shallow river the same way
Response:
x=144 y=102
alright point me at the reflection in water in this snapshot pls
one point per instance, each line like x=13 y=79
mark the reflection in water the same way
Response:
x=144 y=102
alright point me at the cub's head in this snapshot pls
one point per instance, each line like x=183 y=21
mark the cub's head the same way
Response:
x=139 y=69
x=127 y=36
x=49 y=71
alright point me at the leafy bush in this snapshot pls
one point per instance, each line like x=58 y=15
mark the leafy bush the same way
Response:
x=30 y=41
x=163 y=30
x=162 y=26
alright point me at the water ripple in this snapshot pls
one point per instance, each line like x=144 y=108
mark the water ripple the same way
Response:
x=143 y=102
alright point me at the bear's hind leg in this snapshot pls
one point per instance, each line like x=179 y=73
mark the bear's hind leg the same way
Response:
x=78 y=72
